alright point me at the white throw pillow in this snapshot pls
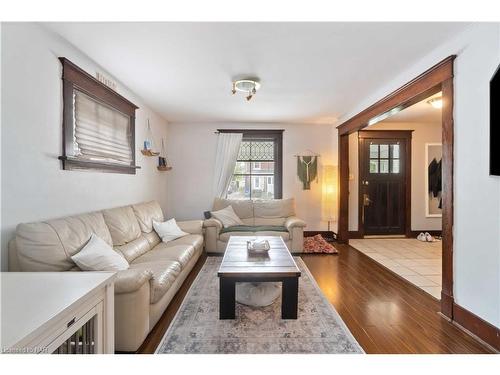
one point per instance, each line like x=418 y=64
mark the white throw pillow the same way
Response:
x=97 y=255
x=227 y=216
x=168 y=230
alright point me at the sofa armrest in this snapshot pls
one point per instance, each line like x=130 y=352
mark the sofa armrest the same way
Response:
x=294 y=222
x=130 y=280
x=213 y=222
x=191 y=226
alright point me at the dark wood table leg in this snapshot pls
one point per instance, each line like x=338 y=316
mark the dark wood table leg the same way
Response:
x=226 y=298
x=289 y=298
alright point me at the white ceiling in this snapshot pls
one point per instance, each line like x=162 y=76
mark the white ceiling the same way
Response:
x=421 y=112
x=310 y=72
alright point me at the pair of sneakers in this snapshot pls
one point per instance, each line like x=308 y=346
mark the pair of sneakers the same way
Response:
x=425 y=237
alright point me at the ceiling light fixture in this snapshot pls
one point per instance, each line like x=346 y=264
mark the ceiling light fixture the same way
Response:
x=436 y=102
x=249 y=86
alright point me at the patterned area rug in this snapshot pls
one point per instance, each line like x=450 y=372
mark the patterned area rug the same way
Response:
x=197 y=329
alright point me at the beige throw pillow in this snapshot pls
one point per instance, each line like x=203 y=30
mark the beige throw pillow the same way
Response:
x=227 y=217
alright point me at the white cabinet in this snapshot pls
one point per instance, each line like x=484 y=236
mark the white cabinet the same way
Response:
x=61 y=312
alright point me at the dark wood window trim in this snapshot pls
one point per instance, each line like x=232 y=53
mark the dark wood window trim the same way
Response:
x=277 y=136
x=390 y=134
x=437 y=78
x=73 y=78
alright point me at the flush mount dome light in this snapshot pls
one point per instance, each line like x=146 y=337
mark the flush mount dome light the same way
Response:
x=248 y=86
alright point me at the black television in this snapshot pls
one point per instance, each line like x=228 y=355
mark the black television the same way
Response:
x=495 y=124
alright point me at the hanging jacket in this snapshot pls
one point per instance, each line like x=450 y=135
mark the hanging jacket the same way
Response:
x=435 y=177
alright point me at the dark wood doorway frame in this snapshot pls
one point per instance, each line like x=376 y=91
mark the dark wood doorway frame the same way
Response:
x=436 y=79
x=401 y=135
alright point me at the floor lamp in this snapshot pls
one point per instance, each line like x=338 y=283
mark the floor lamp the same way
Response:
x=329 y=198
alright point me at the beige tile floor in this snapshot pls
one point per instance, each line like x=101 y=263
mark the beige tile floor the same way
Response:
x=416 y=261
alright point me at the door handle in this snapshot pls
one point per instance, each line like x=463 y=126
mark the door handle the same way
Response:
x=366 y=200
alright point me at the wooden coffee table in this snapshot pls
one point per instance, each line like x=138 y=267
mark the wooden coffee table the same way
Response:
x=239 y=266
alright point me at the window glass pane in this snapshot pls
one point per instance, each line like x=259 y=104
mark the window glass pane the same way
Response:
x=384 y=166
x=374 y=166
x=395 y=151
x=384 y=151
x=239 y=188
x=256 y=150
x=264 y=167
x=261 y=189
x=374 y=151
x=395 y=166
x=242 y=167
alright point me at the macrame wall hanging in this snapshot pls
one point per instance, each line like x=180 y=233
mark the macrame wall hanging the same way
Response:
x=307 y=169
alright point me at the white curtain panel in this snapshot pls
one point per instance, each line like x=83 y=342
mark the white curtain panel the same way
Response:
x=228 y=146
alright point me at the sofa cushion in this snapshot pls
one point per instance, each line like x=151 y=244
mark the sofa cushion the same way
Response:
x=168 y=252
x=164 y=274
x=48 y=246
x=242 y=208
x=255 y=228
x=274 y=209
x=122 y=225
x=225 y=236
x=133 y=249
x=145 y=213
x=195 y=240
x=152 y=238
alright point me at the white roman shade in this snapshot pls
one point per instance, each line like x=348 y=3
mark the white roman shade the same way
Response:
x=101 y=133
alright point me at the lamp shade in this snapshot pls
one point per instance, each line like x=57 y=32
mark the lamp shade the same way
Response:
x=329 y=193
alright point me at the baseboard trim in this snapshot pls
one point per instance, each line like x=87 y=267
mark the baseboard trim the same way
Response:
x=447 y=303
x=485 y=331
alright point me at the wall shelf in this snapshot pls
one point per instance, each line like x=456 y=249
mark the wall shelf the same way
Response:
x=162 y=168
x=149 y=153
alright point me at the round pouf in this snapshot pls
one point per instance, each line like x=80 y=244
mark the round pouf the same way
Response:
x=257 y=294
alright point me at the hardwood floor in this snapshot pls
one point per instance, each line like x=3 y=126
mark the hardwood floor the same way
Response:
x=385 y=313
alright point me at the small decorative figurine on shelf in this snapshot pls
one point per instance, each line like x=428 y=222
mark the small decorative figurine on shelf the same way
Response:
x=162 y=159
x=148 y=143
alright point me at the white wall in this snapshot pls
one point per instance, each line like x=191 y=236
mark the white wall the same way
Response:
x=476 y=229
x=191 y=151
x=422 y=133
x=34 y=186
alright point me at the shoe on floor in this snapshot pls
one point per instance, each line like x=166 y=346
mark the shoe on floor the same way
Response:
x=421 y=237
x=428 y=237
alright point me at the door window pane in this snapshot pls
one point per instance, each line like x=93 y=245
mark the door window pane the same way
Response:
x=384 y=151
x=374 y=166
x=395 y=166
x=242 y=167
x=384 y=166
x=395 y=151
x=374 y=151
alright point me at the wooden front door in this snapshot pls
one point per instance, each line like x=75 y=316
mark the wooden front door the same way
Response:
x=384 y=165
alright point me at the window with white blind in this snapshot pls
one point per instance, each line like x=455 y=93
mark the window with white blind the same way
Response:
x=98 y=124
x=101 y=133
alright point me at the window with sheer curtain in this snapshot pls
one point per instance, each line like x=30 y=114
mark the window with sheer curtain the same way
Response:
x=257 y=174
x=98 y=124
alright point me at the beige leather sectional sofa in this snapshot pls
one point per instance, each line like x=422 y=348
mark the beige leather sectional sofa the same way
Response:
x=259 y=217
x=142 y=292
